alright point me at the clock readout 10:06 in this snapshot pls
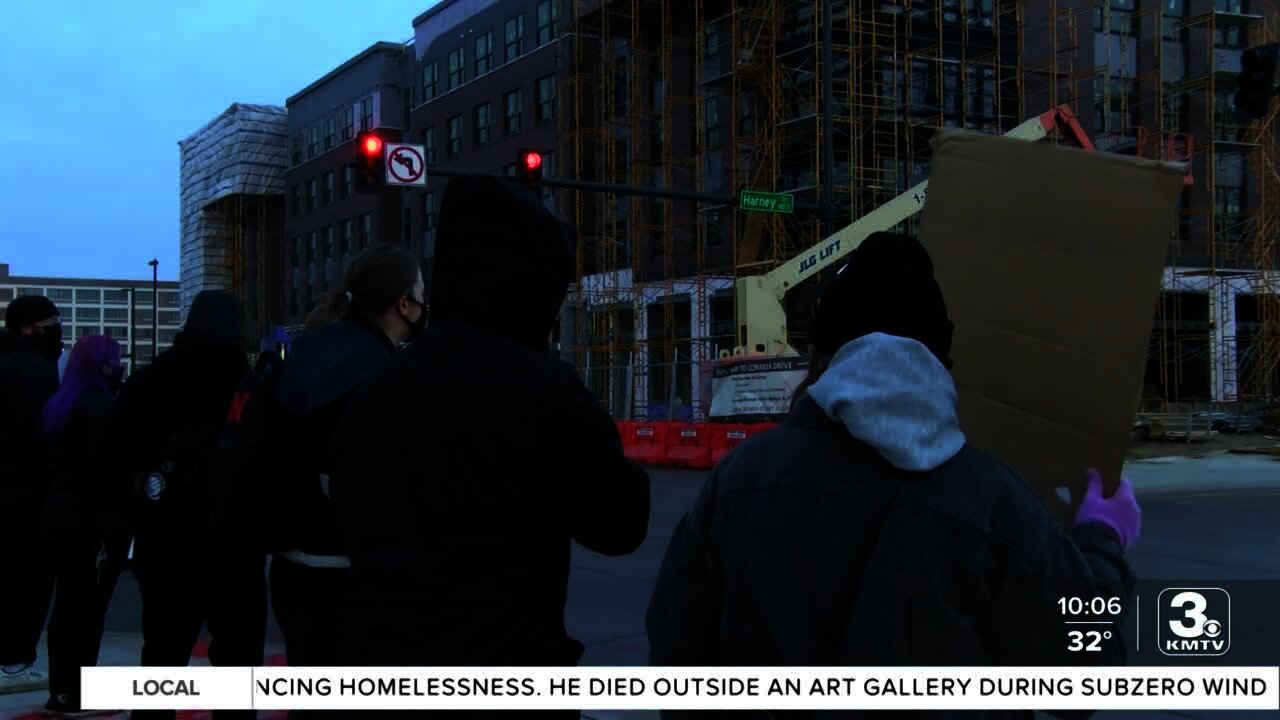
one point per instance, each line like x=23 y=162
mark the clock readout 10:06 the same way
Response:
x=1075 y=606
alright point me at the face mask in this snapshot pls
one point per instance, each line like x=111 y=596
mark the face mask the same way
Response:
x=415 y=326
x=50 y=339
x=115 y=378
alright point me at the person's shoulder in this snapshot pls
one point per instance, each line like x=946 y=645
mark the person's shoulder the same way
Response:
x=1000 y=502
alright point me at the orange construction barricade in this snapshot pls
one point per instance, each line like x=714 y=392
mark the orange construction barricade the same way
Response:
x=689 y=446
x=646 y=442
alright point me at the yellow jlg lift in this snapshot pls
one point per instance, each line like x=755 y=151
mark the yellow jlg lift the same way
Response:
x=761 y=318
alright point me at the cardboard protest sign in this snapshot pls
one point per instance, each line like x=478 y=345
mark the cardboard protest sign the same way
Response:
x=1050 y=259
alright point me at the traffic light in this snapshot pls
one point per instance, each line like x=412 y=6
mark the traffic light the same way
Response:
x=1257 y=81
x=529 y=167
x=369 y=150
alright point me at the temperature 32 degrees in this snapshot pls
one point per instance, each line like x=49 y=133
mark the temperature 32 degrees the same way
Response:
x=1089 y=621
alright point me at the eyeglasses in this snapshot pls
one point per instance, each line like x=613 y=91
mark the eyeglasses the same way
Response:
x=49 y=322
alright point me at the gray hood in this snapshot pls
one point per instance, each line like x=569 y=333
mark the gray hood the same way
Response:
x=893 y=394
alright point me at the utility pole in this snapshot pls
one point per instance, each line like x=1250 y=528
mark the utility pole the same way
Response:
x=155 y=308
x=133 y=329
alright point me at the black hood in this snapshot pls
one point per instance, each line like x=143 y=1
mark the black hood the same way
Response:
x=215 y=318
x=503 y=261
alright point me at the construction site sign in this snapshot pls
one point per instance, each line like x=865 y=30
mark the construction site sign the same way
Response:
x=766 y=201
x=405 y=165
x=755 y=386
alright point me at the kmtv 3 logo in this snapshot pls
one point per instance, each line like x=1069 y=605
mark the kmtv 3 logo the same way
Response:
x=1194 y=621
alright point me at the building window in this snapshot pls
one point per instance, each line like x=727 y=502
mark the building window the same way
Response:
x=549 y=171
x=430 y=77
x=509 y=170
x=515 y=38
x=547 y=12
x=170 y=299
x=328 y=188
x=297 y=251
x=348 y=180
x=330 y=132
x=330 y=248
x=512 y=102
x=60 y=295
x=429 y=224
x=546 y=98
x=88 y=314
x=295 y=200
x=1227 y=6
x=406 y=104
x=711 y=120
x=313 y=192
x=115 y=315
x=457 y=63
x=109 y=297
x=366 y=230
x=348 y=235
x=298 y=141
x=313 y=247
x=429 y=144
x=348 y=123
x=455 y=135
x=484 y=53
x=294 y=309
x=366 y=114
x=313 y=146
x=1228 y=38
x=482 y=124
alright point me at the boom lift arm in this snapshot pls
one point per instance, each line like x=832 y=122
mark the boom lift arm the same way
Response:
x=762 y=320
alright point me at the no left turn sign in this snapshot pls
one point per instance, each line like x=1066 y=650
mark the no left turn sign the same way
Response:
x=405 y=165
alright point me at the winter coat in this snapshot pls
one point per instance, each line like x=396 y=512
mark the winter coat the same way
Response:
x=174 y=409
x=78 y=506
x=866 y=531
x=323 y=369
x=27 y=380
x=467 y=468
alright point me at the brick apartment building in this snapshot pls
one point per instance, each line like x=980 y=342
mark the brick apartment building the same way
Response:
x=483 y=86
x=91 y=306
x=326 y=220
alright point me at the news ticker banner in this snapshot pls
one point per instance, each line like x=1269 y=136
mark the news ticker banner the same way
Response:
x=689 y=688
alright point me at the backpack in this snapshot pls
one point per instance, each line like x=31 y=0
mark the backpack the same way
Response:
x=246 y=488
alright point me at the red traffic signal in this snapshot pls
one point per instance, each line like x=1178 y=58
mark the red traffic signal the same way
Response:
x=372 y=145
x=368 y=166
x=529 y=167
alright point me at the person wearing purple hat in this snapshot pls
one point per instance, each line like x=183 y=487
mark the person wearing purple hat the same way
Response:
x=866 y=530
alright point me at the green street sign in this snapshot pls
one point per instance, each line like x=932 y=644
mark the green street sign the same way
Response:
x=766 y=201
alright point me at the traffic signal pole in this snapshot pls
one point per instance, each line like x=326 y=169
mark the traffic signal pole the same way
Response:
x=636 y=190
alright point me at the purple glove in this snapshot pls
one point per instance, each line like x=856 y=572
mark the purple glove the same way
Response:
x=1120 y=512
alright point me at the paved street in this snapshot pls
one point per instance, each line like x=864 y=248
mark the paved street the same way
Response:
x=1209 y=519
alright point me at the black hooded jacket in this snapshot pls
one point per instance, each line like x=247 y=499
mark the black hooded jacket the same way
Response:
x=27 y=380
x=467 y=467
x=176 y=406
x=865 y=531
x=324 y=368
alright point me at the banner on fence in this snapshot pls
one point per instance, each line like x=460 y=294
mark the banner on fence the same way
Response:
x=755 y=386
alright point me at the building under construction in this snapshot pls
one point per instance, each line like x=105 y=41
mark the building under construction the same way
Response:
x=837 y=102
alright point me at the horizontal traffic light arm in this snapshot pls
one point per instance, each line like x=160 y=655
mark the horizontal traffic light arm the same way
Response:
x=636 y=190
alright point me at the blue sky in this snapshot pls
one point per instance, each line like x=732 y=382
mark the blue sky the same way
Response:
x=97 y=94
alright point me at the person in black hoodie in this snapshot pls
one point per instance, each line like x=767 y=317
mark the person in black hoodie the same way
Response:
x=865 y=530
x=30 y=346
x=169 y=415
x=76 y=519
x=378 y=306
x=468 y=466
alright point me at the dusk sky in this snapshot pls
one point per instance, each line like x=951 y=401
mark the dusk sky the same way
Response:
x=98 y=94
